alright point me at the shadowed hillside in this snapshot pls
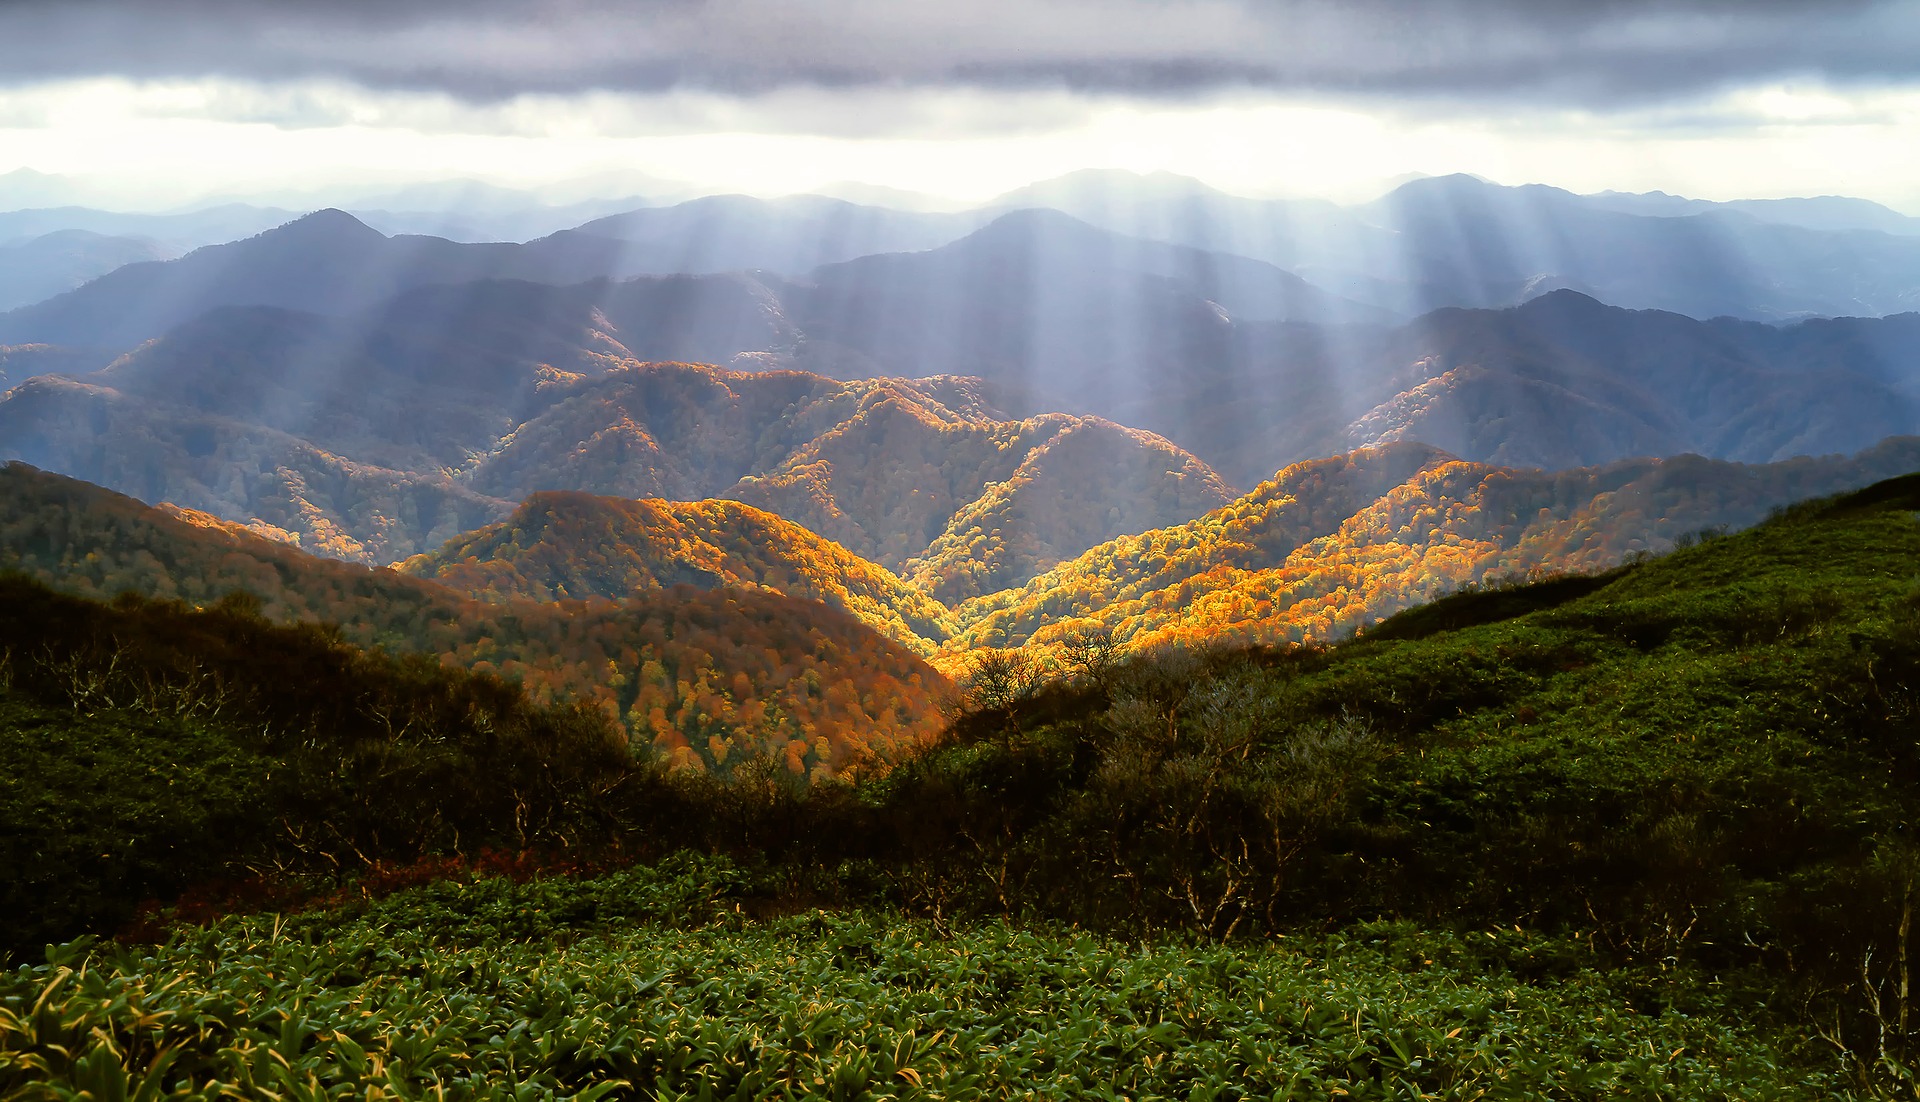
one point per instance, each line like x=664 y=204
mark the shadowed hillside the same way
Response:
x=48 y=264
x=20 y=362
x=267 y=480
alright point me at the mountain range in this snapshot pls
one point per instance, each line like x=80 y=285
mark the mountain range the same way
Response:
x=380 y=434
x=995 y=427
x=730 y=591
x=1430 y=243
x=1057 y=316
x=1463 y=241
x=920 y=476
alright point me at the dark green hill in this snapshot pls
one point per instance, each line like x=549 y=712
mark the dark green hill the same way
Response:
x=148 y=748
x=1712 y=756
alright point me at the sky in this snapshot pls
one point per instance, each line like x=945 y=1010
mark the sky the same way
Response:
x=161 y=102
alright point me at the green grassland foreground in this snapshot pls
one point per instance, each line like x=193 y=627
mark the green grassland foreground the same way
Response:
x=1687 y=787
x=649 y=984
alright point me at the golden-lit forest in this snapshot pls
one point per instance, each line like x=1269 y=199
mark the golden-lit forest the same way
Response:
x=705 y=678
x=560 y=546
x=714 y=630
x=1331 y=545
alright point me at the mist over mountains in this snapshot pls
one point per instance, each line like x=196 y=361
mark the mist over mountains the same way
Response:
x=966 y=400
x=415 y=352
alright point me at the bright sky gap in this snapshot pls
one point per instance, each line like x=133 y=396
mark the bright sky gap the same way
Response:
x=1304 y=98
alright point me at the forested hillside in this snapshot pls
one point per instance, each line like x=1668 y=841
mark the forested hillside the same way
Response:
x=560 y=546
x=1680 y=788
x=704 y=679
x=1330 y=546
x=393 y=453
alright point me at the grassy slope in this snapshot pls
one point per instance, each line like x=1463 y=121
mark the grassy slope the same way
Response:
x=1709 y=757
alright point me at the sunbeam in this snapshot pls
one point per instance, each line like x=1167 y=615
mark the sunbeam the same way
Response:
x=573 y=548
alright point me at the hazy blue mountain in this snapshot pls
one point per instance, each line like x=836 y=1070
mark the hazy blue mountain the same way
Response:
x=1463 y=241
x=438 y=374
x=1819 y=212
x=1313 y=238
x=327 y=262
x=178 y=232
x=1567 y=381
x=469 y=210
x=1040 y=298
x=20 y=362
x=1062 y=318
x=789 y=236
x=1561 y=381
x=1493 y=245
x=41 y=267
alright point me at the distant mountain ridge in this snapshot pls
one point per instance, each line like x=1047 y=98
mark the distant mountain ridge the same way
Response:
x=1464 y=241
x=1432 y=242
x=1838 y=213
x=39 y=267
x=331 y=263
x=476 y=395
x=922 y=476
x=326 y=262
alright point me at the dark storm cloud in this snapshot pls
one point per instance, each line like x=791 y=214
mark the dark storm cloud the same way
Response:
x=1598 y=51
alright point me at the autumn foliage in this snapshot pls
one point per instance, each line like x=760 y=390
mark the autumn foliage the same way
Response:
x=703 y=678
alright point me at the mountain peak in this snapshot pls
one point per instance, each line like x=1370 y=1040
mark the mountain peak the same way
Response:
x=1452 y=182
x=1563 y=300
x=1107 y=186
x=1039 y=217
x=329 y=222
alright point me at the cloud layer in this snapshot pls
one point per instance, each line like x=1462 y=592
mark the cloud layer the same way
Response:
x=1576 y=52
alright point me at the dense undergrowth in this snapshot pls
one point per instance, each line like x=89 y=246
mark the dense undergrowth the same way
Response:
x=649 y=983
x=1703 y=768
x=147 y=748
